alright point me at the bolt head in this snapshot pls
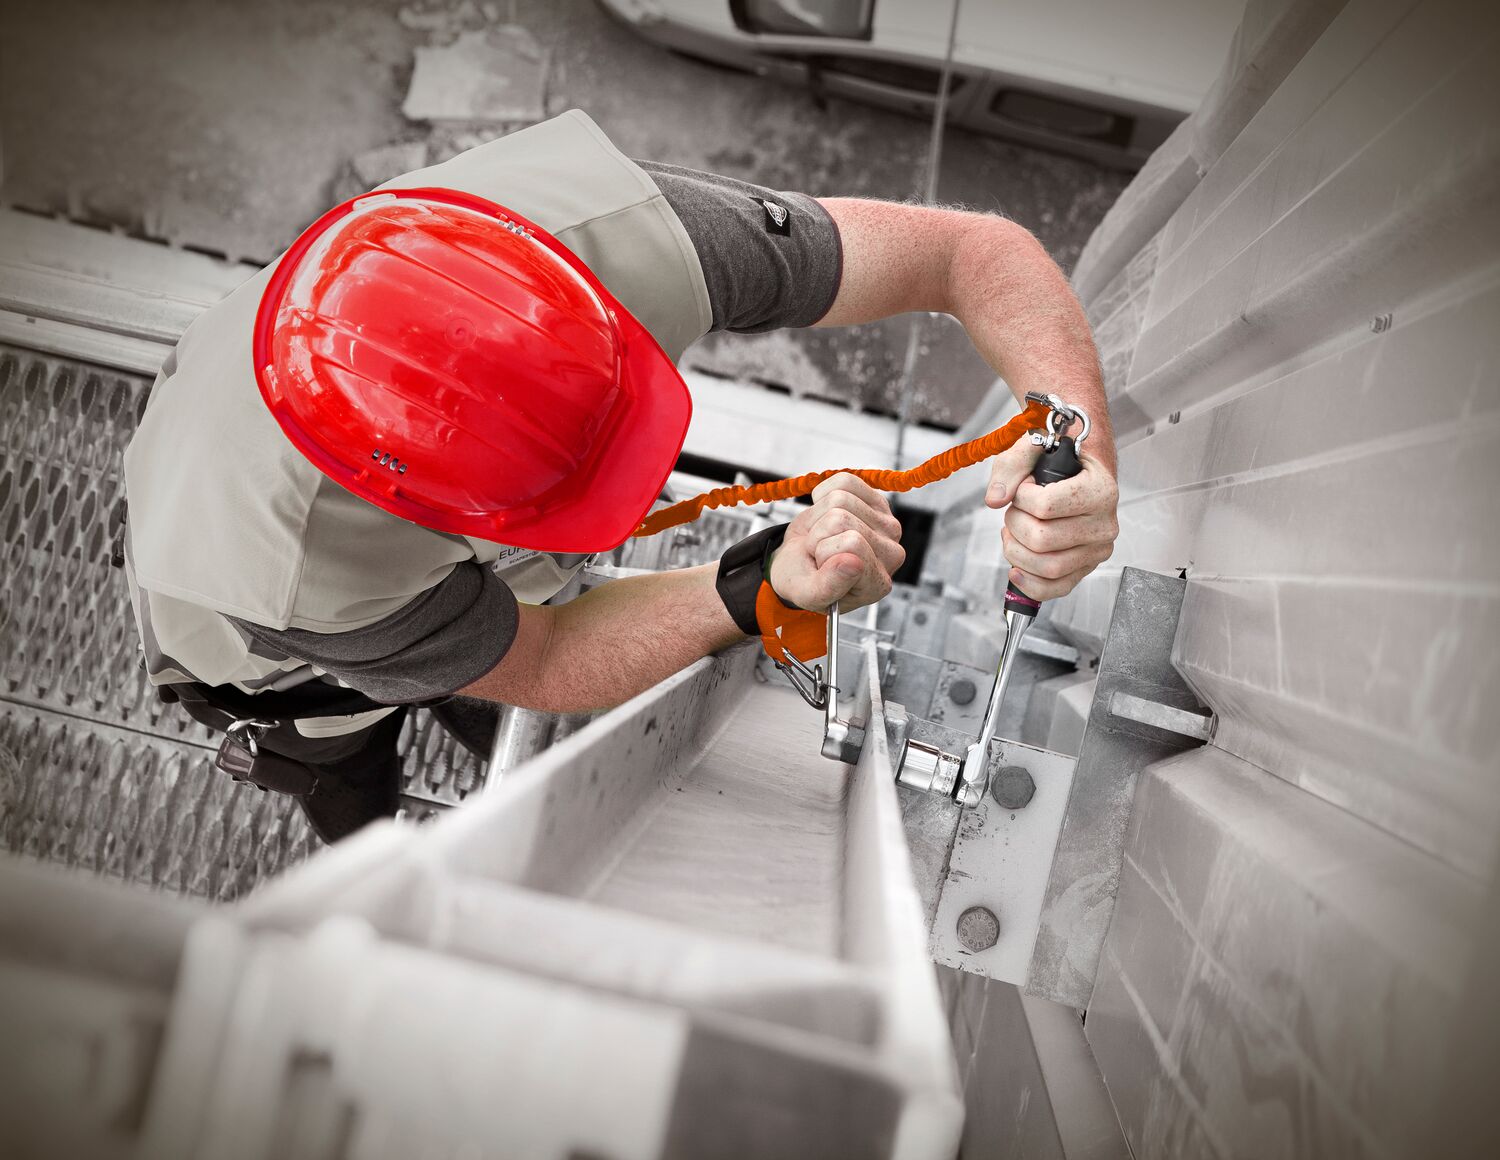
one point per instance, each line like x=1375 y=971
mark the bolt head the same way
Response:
x=1012 y=787
x=962 y=691
x=978 y=929
x=919 y=617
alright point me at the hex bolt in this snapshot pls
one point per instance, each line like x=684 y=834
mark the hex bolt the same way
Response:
x=962 y=691
x=1012 y=787
x=978 y=928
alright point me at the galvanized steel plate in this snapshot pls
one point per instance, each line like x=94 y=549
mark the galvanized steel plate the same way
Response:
x=1000 y=862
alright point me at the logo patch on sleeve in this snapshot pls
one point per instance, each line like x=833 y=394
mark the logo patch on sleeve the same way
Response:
x=778 y=218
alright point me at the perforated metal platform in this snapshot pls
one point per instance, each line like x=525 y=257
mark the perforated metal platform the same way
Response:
x=94 y=771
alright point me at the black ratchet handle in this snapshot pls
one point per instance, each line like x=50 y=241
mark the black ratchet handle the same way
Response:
x=1057 y=463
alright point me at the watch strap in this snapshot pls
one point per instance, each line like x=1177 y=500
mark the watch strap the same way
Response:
x=742 y=570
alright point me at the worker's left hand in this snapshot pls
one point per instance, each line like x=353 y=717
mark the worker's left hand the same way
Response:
x=1055 y=535
x=844 y=548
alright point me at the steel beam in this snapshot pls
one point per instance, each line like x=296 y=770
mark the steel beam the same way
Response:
x=520 y=735
x=693 y=853
x=1085 y=872
x=120 y=302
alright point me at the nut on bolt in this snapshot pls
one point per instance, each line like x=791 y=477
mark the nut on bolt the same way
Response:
x=1012 y=787
x=978 y=928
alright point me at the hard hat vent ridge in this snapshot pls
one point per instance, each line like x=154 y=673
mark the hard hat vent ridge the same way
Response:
x=386 y=459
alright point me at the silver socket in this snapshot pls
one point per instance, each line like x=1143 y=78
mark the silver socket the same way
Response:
x=927 y=768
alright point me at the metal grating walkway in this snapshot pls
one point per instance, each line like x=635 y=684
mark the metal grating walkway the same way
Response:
x=94 y=771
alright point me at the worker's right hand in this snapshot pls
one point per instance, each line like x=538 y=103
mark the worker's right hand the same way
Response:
x=844 y=548
x=1055 y=535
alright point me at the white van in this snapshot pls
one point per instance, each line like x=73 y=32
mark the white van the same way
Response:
x=1102 y=79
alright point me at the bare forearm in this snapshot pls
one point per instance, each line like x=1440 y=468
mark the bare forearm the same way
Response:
x=990 y=274
x=1022 y=315
x=611 y=643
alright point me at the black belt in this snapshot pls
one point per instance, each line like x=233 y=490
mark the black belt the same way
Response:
x=311 y=699
x=253 y=715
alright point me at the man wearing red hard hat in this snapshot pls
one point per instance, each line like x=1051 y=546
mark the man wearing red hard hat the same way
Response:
x=360 y=475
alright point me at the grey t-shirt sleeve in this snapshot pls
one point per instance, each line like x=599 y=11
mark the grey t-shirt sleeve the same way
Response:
x=770 y=259
x=444 y=639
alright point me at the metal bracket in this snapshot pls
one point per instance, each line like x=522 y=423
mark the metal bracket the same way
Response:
x=982 y=869
x=1021 y=886
x=1142 y=712
x=1186 y=722
x=991 y=894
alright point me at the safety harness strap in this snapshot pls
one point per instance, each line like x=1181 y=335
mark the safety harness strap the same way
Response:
x=784 y=629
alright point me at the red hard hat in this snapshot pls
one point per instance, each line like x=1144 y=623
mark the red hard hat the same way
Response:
x=456 y=365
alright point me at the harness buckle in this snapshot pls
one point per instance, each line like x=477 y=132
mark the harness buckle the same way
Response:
x=240 y=749
x=253 y=729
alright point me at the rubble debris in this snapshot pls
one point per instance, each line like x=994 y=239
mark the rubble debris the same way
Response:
x=377 y=166
x=443 y=21
x=498 y=75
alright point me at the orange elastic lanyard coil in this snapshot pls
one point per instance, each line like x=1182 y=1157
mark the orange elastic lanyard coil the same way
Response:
x=794 y=630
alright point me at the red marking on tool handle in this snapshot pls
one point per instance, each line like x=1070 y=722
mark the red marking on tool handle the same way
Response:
x=1018 y=601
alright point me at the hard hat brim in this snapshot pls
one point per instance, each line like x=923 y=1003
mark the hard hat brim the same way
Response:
x=638 y=455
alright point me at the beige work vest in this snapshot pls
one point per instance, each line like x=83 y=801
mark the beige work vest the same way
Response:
x=226 y=516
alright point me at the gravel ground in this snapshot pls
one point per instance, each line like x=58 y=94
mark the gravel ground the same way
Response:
x=228 y=125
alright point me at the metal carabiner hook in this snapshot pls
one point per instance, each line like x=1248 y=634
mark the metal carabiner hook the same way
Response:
x=1059 y=419
x=815 y=691
x=253 y=729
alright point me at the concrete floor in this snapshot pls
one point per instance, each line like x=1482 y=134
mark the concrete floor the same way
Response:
x=228 y=125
